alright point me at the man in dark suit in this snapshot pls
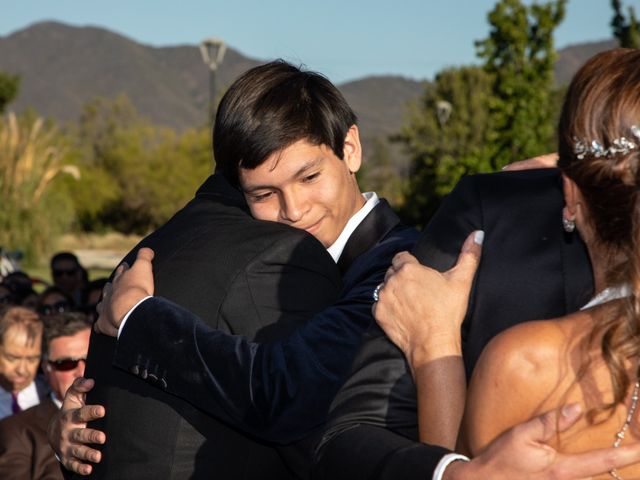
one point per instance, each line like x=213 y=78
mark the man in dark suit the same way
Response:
x=519 y=454
x=530 y=269
x=258 y=368
x=279 y=390
x=25 y=452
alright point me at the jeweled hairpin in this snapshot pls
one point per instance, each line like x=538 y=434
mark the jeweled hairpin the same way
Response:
x=619 y=146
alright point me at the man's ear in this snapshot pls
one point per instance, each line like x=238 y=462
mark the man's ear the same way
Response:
x=352 y=152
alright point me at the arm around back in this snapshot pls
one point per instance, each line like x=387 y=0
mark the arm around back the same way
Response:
x=269 y=379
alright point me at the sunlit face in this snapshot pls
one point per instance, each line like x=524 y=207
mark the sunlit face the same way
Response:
x=308 y=187
x=71 y=348
x=19 y=358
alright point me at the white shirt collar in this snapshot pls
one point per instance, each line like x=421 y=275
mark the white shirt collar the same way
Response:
x=28 y=397
x=55 y=400
x=335 y=250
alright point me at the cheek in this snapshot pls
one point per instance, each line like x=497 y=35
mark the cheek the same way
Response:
x=33 y=367
x=264 y=211
x=62 y=379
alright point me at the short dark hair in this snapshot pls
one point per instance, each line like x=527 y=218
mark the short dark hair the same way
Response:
x=61 y=256
x=63 y=325
x=273 y=106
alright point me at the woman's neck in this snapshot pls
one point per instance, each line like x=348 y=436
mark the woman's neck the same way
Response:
x=601 y=261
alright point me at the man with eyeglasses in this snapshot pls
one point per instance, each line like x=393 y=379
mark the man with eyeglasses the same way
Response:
x=20 y=348
x=24 y=449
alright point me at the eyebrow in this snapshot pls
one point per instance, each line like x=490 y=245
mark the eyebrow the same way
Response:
x=310 y=165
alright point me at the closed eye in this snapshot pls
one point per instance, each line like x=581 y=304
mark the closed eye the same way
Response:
x=309 y=178
x=260 y=197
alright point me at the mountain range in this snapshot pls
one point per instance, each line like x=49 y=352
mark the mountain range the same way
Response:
x=62 y=67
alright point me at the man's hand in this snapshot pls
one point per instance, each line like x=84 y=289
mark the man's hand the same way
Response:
x=549 y=160
x=130 y=285
x=421 y=309
x=523 y=454
x=68 y=433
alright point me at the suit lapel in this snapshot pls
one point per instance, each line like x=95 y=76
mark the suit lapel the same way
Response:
x=375 y=226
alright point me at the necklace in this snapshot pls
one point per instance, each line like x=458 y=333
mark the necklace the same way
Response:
x=608 y=294
x=625 y=426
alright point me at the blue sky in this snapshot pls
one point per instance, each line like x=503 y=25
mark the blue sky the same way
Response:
x=344 y=39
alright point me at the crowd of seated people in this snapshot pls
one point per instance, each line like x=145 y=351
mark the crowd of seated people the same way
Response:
x=44 y=339
x=70 y=290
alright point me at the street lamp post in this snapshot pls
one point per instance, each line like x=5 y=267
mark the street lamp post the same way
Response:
x=212 y=51
x=443 y=112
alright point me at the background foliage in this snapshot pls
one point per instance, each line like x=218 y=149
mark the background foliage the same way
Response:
x=115 y=171
x=503 y=112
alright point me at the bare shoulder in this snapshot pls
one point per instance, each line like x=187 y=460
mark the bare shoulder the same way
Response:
x=527 y=348
x=518 y=372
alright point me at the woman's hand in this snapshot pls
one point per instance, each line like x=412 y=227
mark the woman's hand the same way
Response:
x=421 y=309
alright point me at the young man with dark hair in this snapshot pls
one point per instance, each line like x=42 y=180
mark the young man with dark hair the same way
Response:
x=273 y=348
x=24 y=450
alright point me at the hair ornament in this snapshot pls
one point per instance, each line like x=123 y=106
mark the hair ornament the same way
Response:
x=619 y=146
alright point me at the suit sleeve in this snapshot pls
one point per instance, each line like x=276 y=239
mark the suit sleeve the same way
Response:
x=372 y=429
x=16 y=451
x=277 y=389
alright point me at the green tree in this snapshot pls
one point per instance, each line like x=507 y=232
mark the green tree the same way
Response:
x=9 y=86
x=443 y=149
x=139 y=173
x=499 y=113
x=519 y=56
x=378 y=173
x=626 y=31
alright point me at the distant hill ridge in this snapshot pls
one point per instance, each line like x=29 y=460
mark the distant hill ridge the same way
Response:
x=62 y=67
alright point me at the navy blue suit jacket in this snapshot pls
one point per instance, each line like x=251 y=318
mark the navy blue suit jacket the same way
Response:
x=276 y=386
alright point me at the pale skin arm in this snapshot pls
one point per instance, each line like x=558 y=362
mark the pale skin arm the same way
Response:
x=68 y=433
x=421 y=311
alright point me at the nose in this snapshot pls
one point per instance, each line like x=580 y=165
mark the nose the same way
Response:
x=79 y=370
x=293 y=206
x=22 y=367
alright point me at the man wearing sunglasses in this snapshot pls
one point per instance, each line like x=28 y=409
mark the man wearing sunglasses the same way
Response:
x=24 y=450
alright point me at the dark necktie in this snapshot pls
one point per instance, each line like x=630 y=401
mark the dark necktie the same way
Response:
x=15 y=407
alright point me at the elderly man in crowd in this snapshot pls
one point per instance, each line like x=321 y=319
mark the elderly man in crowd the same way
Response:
x=24 y=450
x=20 y=345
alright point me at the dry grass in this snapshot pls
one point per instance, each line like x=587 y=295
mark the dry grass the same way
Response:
x=93 y=241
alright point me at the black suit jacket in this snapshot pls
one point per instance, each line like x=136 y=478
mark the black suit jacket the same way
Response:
x=25 y=452
x=277 y=388
x=241 y=276
x=530 y=269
